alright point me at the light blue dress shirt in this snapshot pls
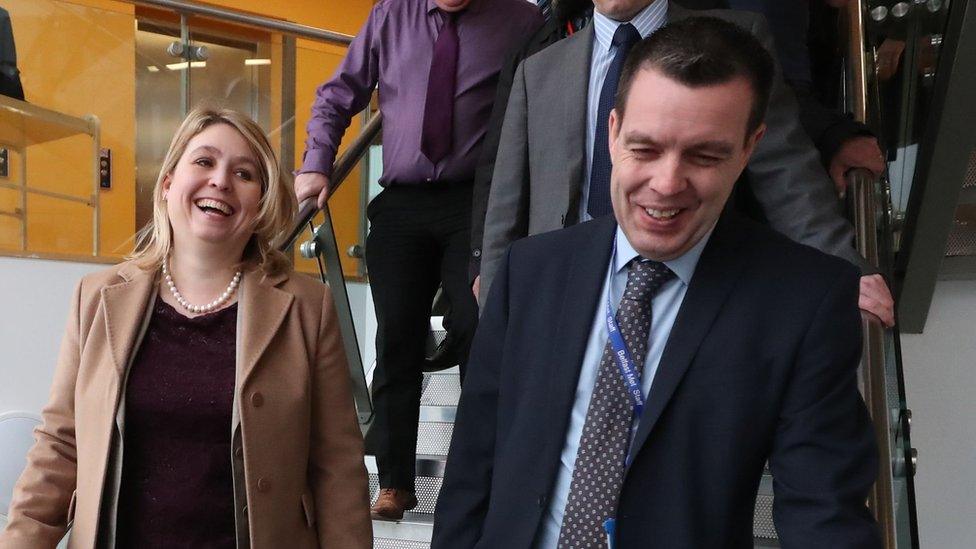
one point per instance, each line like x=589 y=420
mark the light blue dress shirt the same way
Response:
x=646 y=22
x=664 y=309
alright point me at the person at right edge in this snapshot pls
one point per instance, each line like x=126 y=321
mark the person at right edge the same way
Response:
x=631 y=375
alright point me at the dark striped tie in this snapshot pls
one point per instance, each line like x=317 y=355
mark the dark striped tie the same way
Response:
x=598 y=201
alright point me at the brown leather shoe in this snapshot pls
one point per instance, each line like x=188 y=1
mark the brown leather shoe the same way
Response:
x=392 y=502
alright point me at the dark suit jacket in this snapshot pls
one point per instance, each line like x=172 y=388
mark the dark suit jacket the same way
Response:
x=531 y=184
x=760 y=365
x=9 y=75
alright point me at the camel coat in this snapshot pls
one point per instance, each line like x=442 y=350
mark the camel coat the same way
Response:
x=299 y=477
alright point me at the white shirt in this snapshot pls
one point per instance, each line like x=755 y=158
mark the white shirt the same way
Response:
x=646 y=22
x=664 y=309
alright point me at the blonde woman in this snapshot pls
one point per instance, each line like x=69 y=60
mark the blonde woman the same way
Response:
x=201 y=397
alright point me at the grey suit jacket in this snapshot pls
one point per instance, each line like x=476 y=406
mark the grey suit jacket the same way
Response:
x=541 y=159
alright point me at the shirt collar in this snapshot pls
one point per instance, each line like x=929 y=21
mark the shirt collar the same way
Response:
x=646 y=22
x=683 y=266
x=473 y=7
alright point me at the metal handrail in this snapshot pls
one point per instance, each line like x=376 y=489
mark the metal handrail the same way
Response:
x=866 y=199
x=341 y=169
x=269 y=23
x=857 y=60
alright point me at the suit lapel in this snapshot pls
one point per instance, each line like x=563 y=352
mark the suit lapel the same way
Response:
x=715 y=276
x=583 y=287
x=262 y=310
x=125 y=306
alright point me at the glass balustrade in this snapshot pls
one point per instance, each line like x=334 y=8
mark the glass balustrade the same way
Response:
x=905 y=41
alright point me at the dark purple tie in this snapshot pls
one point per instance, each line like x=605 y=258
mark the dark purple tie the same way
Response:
x=435 y=142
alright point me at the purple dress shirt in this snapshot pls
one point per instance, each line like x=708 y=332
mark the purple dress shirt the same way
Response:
x=394 y=49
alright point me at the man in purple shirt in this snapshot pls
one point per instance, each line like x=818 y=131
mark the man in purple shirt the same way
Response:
x=436 y=63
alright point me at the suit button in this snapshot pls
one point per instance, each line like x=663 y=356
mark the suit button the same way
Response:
x=542 y=501
x=238 y=452
x=264 y=485
x=476 y=253
x=257 y=399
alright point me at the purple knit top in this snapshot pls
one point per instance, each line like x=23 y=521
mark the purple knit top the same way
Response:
x=177 y=484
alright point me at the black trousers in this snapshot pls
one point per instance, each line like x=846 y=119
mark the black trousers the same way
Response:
x=420 y=237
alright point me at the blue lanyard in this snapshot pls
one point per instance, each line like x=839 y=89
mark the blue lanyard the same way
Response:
x=632 y=378
x=621 y=356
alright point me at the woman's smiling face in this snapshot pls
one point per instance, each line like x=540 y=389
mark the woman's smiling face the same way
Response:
x=213 y=194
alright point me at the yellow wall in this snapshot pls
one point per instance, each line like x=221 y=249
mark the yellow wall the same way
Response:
x=78 y=60
x=77 y=57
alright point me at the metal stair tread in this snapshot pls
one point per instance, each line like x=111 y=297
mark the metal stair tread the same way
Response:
x=415 y=527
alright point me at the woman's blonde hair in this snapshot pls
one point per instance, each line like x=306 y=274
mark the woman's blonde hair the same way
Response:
x=276 y=210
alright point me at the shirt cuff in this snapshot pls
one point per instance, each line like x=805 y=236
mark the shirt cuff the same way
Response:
x=833 y=137
x=318 y=161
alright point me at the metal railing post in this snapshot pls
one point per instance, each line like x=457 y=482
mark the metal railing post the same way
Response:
x=327 y=248
x=324 y=245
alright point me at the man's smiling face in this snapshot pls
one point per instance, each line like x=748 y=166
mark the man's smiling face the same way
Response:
x=676 y=155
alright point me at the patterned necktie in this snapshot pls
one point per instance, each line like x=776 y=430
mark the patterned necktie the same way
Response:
x=599 y=471
x=438 y=126
x=598 y=201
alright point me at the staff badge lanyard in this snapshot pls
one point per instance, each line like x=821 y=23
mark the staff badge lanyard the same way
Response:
x=632 y=379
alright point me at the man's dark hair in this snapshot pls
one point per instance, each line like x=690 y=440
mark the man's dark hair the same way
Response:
x=703 y=51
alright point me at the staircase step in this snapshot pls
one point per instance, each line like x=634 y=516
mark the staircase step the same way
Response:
x=445 y=414
x=434 y=437
x=441 y=388
x=430 y=473
x=413 y=532
x=763 y=530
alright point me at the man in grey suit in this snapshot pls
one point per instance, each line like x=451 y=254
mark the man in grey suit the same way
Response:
x=542 y=173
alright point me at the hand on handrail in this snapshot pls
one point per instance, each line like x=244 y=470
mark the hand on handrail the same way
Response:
x=312 y=185
x=861 y=151
x=875 y=298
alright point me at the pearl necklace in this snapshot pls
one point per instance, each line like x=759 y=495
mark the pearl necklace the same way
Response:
x=200 y=309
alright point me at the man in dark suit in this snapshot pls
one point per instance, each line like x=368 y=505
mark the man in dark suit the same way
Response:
x=632 y=375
